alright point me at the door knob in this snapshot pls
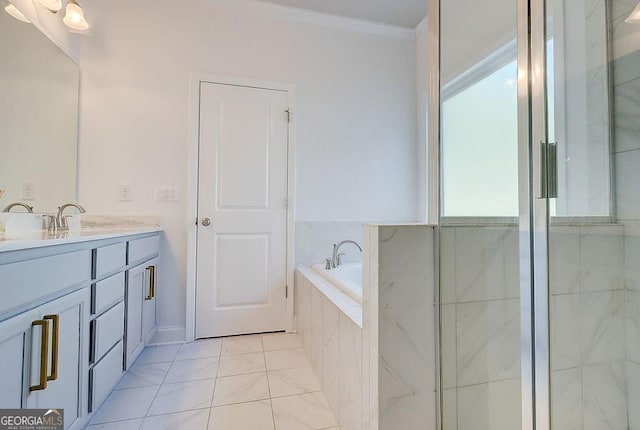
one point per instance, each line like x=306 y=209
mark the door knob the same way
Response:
x=206 y=222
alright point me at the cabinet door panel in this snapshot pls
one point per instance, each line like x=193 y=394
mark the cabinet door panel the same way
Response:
x=11 y=371
x=149 y=304
x=64 y=391
x=15 y=356
x=136 y=288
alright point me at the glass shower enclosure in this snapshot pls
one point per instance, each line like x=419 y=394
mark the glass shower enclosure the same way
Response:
x=539 y=221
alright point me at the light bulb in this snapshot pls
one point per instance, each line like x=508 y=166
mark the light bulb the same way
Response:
x=14 y=12
x=74 y=17
x=634 y=17
x=52 y=5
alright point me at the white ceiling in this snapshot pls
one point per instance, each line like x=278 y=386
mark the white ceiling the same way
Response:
x=403 y=13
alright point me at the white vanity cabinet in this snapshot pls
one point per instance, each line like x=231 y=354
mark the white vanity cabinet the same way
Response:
x=72 y=318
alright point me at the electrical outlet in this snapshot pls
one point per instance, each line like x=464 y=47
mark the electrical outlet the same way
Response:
x=124 y=194
x=28 y=191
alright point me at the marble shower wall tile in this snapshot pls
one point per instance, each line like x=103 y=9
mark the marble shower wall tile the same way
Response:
x=314 y=240
x=450 y=409
x=486 y=263
x=410 y=412
x=627 y=177
x=604 y=396
x=632 y=313
x=622 y=7
x=494 y=406
x=602 y=321
x=406 y=326
x=566 y=326
x=566 y=397
x=626 y=56
x=602 y=257
x=626 y=120
x=564 y=264
x=633 y=394
x=447 y=265
x=449 y=347
x=632 y=255
x=406 y=266
x=488 y=341
x=407 y=340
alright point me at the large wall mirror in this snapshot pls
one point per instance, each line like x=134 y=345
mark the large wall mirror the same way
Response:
x=39 y=86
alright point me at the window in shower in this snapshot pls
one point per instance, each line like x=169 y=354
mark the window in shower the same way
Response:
x=480 y=142
x=480 y=135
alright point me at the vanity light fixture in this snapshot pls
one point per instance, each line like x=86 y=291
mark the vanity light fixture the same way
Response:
x=634 y=17
x=74 y=16
x=14 y=12
x=53 y=5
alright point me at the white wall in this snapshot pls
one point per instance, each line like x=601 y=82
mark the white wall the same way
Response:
x=355 y=114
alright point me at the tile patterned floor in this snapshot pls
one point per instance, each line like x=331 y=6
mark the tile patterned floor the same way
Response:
x=257 y=382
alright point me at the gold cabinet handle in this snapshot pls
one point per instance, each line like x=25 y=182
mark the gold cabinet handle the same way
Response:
x=153 y=280
x=150 y=295
x=55 y=347
x=44 y=355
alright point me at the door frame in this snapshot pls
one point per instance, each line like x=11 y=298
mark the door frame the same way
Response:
x=195 y=81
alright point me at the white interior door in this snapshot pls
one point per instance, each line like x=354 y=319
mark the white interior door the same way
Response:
x=242 y=210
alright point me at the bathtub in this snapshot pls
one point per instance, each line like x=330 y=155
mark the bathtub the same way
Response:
x=348 y=278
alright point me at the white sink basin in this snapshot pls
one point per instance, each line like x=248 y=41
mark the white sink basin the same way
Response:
x=17 y=225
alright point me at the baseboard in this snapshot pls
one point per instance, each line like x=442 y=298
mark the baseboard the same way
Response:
x=168 y=336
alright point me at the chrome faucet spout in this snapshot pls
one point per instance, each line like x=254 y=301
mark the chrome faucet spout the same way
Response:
x=335 y=261
x=61 y=220
x=20 y=204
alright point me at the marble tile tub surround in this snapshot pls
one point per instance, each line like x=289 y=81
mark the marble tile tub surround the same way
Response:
x=314 y=241
x=398 y=337
x=190 y=387
x=333 y=344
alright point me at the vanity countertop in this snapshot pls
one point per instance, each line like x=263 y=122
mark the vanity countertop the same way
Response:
x=43 y=238
x=88 y=228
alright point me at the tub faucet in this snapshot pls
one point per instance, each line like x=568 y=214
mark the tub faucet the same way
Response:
x=336 y=261
x=61 y=220
x=13 y=205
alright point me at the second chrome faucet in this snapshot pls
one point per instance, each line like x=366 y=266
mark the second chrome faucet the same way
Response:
x=336 y=257
x=60 y=222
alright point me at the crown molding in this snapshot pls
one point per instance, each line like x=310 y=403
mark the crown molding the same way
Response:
x=312 y=17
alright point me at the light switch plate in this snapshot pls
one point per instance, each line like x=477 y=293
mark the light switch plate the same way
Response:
x=167 y=193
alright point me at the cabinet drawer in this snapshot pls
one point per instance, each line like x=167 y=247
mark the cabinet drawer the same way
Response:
x=104 y=376
x=109 y=259
x=107 y=292
x=143 y=249
x=107 y=330
x=32 y=280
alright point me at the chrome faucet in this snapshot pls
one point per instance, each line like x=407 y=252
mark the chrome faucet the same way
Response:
x=336 y=260
x=13 y=205
x=61 y=221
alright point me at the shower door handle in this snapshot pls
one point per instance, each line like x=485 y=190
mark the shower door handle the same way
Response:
x=548 y=170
